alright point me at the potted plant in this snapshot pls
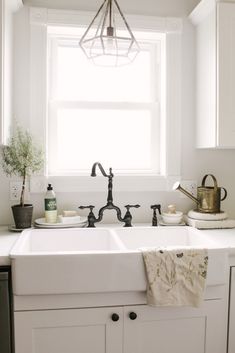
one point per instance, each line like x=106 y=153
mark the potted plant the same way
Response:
x=22 y=157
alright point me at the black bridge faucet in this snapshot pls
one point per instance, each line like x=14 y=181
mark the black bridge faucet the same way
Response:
x=109 y=206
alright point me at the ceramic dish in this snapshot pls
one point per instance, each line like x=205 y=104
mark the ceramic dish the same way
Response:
x=194 y=214
x=172 y=218
x=41 y=223
x=161 y=223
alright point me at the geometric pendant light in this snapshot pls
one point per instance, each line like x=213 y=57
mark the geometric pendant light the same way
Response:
x=108 y=41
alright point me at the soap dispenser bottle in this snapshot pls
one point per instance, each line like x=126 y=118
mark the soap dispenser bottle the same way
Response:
x=50 y=205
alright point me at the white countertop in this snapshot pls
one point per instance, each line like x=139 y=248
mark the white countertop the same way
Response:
x=224 y=237
x=7 y=240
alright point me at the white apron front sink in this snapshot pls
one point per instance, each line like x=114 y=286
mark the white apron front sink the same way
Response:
x=96 y=260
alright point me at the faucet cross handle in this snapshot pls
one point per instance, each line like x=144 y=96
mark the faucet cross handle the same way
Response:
x=130 y=206
x=91 y=217
x=128 y=217
x=84 y=207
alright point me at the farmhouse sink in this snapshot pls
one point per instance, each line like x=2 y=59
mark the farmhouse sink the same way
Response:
x=95 y=260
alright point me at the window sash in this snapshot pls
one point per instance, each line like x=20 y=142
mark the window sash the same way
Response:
x=157 y=67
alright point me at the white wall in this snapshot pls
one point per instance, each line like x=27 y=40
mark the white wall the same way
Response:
x=195 y=163
x=147 y=7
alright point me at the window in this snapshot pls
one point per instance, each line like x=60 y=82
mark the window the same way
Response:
x=57 y=116
x=111 y=115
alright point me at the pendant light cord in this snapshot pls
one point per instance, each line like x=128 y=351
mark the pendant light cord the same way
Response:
x=110 y=13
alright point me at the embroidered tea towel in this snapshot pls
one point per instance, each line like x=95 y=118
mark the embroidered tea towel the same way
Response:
x=175 y=277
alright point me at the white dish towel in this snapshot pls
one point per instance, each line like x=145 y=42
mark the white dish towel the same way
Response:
x=175 y=277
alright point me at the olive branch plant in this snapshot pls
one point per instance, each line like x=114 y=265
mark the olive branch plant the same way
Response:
x=22 y=157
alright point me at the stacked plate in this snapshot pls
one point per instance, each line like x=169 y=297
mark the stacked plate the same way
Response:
x=41 y=223
x=194 y=214
x=202 y=220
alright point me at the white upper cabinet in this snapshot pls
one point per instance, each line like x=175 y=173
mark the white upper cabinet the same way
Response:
x=215 y=88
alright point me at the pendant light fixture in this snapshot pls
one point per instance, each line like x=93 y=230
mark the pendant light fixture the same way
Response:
x=109 y=41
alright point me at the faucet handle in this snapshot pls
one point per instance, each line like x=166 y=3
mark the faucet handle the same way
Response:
x=128 y=217
x=134 y=206
x=154 y=208
x=84 y=207
x=91 y=217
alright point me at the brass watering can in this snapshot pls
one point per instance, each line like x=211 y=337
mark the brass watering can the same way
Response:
x=208 y=197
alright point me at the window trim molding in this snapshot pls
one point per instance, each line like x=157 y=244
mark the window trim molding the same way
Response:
x=171 y=129
x=7 y=10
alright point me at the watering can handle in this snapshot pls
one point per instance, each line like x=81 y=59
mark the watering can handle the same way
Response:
x=214 y=179
x=225 y=194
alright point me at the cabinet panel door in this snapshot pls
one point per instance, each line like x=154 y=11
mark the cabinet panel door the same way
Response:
x=226 y=74
x=69 y=331
x=178 y=330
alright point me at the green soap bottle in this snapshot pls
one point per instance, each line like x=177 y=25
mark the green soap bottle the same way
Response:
x=50 y=205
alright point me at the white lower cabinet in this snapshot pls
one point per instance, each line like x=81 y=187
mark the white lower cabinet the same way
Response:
x=137 y=329
x=69 y=331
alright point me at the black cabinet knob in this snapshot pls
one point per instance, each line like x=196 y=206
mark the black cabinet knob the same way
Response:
x=132 y=315
x=115 y=317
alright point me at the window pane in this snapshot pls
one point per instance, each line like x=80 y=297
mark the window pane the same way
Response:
x=117 y=138
x=79 y=79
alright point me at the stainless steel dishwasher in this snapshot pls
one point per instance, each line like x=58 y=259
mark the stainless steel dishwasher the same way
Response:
x=5 y=311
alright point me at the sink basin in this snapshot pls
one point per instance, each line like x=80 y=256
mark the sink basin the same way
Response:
x=95 y=260
x=59 y=261
x=51 y=241
x=133 y=239
x=138 y=237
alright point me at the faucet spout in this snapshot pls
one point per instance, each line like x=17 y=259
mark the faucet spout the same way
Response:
x=93 y=170
x=110 y=182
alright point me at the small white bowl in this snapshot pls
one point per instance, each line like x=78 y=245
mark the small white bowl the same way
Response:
x=172 y=218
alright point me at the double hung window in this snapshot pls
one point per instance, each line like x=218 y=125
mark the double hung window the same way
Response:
x=96 y=113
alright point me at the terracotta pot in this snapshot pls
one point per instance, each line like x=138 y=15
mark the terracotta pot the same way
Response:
x=22 y=216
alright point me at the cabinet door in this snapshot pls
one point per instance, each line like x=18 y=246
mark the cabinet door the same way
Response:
x=226 y=74
x=178 y=330
x=215 y=73
x=69 y=331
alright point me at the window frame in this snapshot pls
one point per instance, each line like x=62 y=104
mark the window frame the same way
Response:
x=170 y=126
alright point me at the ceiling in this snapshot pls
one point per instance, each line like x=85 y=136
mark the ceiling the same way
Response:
x=138 y=7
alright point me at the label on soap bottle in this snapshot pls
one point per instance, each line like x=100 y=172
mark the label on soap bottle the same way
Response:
x=51 y=210
x=50 y=204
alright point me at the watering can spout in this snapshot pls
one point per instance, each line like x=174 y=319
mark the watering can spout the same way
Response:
x=177 y=186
